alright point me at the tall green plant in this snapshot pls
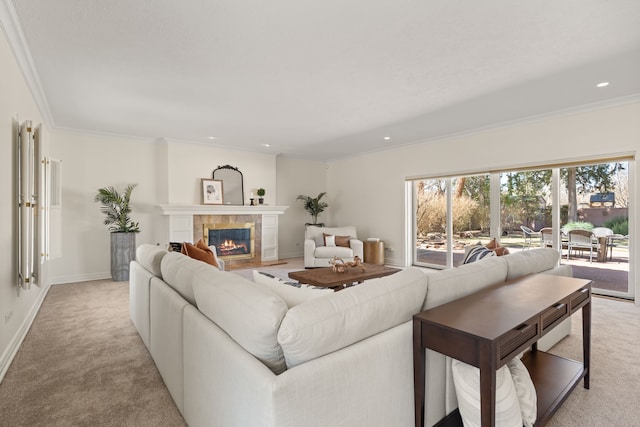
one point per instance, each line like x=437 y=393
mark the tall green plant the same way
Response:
x=313 y=205
x=116 y=208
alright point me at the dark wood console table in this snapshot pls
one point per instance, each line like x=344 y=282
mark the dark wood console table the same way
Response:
x=489 y=328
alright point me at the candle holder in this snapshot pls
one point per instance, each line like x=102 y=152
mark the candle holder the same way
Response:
x=252 y=203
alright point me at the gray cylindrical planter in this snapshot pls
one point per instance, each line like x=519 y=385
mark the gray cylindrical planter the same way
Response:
x=123 y=251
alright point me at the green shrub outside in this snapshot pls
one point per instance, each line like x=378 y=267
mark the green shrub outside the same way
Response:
x=619 y=225
x=577 y=225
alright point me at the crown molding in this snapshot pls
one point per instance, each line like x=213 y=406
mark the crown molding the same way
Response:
x=15 y=36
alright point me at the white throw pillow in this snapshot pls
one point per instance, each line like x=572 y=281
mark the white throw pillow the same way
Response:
x=466 y=379
x=292 y=293
x=330 y=241
x=525 y=390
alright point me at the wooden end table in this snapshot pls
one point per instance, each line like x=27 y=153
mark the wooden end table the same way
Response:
x=327 y=278
x=489 y=328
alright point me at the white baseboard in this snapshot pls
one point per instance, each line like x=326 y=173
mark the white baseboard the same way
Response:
x=287 y=255
x=21 y=333
x=80 y=278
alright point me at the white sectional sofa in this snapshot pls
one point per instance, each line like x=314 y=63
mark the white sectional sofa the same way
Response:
x=232 y=354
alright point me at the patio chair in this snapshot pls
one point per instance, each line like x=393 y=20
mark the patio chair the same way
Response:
x=546 y=237
x=583 y=240
x=528 y=235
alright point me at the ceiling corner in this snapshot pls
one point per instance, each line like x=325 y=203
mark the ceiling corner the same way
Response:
x=15 y=37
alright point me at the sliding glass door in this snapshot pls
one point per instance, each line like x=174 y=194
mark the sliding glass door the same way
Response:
x=450 y=214
x=531 y=208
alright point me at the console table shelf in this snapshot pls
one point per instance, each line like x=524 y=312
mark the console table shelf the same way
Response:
x=490 y=327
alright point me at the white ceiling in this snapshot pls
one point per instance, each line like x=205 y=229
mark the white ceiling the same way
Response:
x=325 y=79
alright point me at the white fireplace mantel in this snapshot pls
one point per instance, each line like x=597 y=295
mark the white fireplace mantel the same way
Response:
x=181 y=222
x=222 y=210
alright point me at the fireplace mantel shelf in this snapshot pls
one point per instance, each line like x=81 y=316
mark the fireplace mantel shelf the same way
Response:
x=222 y=209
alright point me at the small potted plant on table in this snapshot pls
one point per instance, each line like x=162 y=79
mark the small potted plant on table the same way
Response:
x=261 y=192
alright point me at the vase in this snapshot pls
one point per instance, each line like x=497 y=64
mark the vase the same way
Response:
x=123 y=251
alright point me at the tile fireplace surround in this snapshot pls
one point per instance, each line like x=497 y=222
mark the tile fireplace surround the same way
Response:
x=186 y=224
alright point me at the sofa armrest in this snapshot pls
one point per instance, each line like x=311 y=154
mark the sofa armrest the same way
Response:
x=357 y=247
x=309 y=251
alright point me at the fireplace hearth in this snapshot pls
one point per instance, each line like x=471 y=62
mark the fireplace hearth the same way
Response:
x=232 y=241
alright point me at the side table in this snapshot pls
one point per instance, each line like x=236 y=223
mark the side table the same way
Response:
x=514 y=316
x=374 y=252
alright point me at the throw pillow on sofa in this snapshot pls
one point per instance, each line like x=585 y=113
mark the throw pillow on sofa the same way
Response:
x=199 y=251
x=466 y=379
x=495 y=247
x=292 y=293
x=476 y=253
x=331 y=240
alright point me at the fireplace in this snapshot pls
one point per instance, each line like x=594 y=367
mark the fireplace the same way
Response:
x=232 y=241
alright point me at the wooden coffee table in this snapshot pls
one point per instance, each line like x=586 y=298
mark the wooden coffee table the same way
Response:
x=327 y=278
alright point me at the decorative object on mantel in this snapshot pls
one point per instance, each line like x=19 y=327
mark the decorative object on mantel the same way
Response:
x=233 y=189
x=116 y=208
x=261 y=192
x=212 y=192
x=314 y=206
x=339 y=265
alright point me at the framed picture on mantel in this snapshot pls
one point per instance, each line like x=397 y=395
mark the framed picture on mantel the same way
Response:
x=212 y=192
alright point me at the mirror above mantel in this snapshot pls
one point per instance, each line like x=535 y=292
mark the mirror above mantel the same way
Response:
x=232 y=184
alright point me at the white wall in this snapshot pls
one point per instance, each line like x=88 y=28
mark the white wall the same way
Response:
x=164 y=171
x=294 y=178
x=17 y=307
x=190 y=162
x=90 y=162
x=374 y=196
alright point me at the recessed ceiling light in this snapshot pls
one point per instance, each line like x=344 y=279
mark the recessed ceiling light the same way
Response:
x=266 y=145
x=387 y=138
x=602 y=84
x=211 y=137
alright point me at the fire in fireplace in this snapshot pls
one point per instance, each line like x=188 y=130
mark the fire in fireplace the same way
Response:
x=232 y=241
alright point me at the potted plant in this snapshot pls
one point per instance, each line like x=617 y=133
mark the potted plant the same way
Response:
x=116 y=208
x=261 y=192
x=314 y=206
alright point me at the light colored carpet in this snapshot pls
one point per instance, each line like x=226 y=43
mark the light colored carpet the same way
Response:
x=83 y=364
x=612 y=399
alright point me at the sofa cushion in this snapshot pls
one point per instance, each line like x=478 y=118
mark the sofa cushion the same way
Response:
x=531 y=261
x=150 y=257
x=467 y=382
x=330 y=252
x=248 y=312
x=324 y=325
x=178 y=271
x=292 y=293
x=454 y=283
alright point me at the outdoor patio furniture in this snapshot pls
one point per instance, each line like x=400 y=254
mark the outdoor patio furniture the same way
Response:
x=546 y=237
x=528 y=235
x=583 y=240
